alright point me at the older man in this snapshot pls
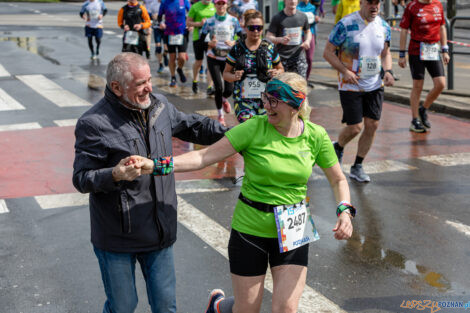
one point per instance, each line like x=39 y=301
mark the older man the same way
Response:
x=363 y=41
x=133 y=216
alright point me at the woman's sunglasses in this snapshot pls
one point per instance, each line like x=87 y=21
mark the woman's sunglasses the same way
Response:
x=253 y=28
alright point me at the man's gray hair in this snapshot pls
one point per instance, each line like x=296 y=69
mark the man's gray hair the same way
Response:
x=119 y=69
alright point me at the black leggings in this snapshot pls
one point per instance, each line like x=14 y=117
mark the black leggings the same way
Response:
x=216 y=68
x=90 y=44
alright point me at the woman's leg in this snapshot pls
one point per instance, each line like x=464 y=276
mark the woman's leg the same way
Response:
x=214 y=69
x=289 y=283
x=248 y=292
x=310 y=55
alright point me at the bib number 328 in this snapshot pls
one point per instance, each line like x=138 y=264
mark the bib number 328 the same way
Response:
x=295 y=226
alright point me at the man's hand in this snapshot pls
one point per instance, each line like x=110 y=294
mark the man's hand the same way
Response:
x=212 y=43
x=388 y=79
x=127 y=172
x=343 y=228
x=230 y=43
x=137 y=27
x=402 y=62
x=305 y=45
x=284 y=40
x=162 y=25
x=350 y=77
x=445 y=58
x=202 y=22
x=126 y=28
x=273 y=72
x=142 y=163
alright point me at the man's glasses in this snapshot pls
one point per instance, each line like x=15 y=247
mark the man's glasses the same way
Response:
x=253 y=28
x=273 y=101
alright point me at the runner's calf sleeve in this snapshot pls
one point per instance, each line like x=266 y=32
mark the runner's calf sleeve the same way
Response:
x=225 y=305
x=158 y=49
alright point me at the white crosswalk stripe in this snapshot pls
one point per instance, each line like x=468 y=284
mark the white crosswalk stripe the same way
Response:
x=3 y=207
x=452 y=159
x=460 y=227
x=65 y=123
x=3 y=72
x=52 y=92
x=22 y=126
x=7 y=103
x=384 y=166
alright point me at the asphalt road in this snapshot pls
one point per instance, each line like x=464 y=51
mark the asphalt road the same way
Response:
x=411 y=233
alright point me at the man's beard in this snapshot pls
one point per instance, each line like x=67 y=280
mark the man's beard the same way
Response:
x=140 y=106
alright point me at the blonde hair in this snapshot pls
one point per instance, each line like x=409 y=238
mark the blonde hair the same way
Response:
x=298 y=83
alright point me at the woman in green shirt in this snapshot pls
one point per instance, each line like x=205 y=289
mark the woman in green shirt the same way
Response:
x=279 y=150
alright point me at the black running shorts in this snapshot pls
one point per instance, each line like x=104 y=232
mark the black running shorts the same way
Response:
x=249 y=255
x=181 y=48
x=359 y=104
x=199 y=47
x=435 y=68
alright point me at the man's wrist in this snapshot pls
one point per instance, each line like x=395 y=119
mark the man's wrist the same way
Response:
x=445 y=49
x=402 y=53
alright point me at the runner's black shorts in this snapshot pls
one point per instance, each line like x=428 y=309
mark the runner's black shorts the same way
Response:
x=435 y=68
x=249 y=255
x=200 y=48
x=173 y=48
x=359 y=104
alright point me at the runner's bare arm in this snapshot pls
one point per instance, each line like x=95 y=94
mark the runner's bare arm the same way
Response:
x=403 y=37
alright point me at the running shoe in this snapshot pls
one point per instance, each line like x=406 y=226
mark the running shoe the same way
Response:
x=311 y=85
x=226 y=106
x=423 y=116
x=165 y=59
x=160 y=69
x=181 y=75
x=357 y=173
x=147 y=54
x=416 y=126
x=222 y=120
x=210 y=91
x=173 y=82
x=339 y=154
x=215 y=296
x=92 y=57
x=195 y=88
x=201 y=71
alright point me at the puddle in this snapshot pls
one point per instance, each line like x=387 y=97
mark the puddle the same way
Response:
x=30 y=44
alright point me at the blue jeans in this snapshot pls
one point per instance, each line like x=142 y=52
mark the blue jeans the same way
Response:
x=118 y=274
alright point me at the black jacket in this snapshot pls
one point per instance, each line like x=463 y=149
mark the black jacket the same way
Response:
x=135 y=216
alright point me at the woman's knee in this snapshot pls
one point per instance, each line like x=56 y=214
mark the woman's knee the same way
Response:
x=289 y=306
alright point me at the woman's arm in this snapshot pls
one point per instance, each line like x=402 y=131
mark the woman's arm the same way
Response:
x=343 y=228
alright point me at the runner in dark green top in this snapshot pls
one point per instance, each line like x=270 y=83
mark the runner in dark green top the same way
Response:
x=279 y=150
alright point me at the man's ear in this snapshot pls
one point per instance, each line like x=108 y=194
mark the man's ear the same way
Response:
x=117 y=88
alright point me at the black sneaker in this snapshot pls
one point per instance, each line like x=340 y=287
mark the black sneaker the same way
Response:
x=416 y=126
x=210 y=91
x=424 y=117
x=181 y=75
x=173 y=82
x=339 y=153
x=195 y=89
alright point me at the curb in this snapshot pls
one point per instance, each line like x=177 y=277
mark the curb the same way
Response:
x=438 y=106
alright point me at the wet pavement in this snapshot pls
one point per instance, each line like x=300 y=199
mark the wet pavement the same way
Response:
x=411 y=233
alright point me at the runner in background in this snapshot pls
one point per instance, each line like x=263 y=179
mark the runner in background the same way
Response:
x=175 y=35
x=313 y=17
x=426 y=21
x=250 y=64
x=279 y=150
x=358 y=48
x=346 y=7
x=289 y=30
x=221 y=29
x=92 y=12
x=134 y=19
x=154 y=7
x=197 y=16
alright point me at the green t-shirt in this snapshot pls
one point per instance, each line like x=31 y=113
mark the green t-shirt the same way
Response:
x=277 y=169
x=199 y=11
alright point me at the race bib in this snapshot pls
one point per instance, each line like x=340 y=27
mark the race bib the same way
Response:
x=94 y=14
x=369 y=66
x=310 y=17
x=252 y=87
x=429 y=51
x=175 y=40
x=295 y=35
x=131 y=38
x=223 y=33
x=295 y=226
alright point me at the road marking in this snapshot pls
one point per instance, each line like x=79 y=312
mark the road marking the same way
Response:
x=109 y=32
x=182 y=191
x=452 y=159
x=52 y=92
x=65 y=123
x=384 y=166
x=48 y=202
x=3 y=72
x=7 y=103
x=23 y=126
x=460 y=227
x=3 y=207
x=217 y=237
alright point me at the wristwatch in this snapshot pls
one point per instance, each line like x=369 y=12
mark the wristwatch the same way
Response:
x=389 y=71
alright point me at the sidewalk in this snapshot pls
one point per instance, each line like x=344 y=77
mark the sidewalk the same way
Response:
x=455 y=102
